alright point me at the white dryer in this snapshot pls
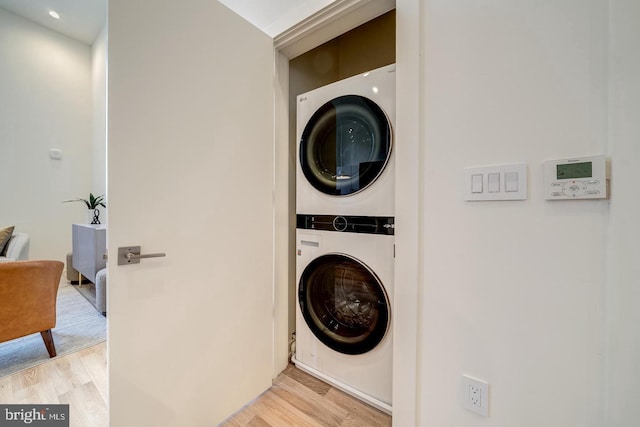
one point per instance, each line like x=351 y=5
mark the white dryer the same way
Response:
x=345 y=156
x=344 y=272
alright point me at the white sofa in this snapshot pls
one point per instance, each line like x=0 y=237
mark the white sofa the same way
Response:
x=17 y=248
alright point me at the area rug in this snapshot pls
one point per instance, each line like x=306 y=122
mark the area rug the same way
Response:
x=79 y=325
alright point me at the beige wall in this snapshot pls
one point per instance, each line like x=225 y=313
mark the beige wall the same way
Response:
x=45 y=93
x=512 y=290
x=497 y=298
x=622 y=353
x=99 y=103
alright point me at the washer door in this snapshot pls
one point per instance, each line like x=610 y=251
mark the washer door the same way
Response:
x=345 y=145
x=344 y=303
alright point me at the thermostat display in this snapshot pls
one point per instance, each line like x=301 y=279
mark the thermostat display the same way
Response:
x=574 y=170
x=578 y=178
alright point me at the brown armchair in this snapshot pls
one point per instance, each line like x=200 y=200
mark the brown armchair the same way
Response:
x=28 y=292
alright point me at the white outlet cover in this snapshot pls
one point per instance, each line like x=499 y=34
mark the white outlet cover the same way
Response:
x=475 y=395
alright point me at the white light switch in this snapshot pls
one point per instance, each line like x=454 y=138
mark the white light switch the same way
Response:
x=510 y=182
x=476 y=183
x=493 y=179
x=501 y=182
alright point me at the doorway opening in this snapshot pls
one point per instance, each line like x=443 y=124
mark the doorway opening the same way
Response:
x=361 y=48
x=366 y=47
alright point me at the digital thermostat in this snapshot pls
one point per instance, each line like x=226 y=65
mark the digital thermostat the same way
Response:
x=577 y=178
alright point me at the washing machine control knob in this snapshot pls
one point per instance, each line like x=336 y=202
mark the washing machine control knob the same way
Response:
x=340 y=223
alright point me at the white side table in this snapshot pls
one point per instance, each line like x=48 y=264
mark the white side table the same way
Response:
x=89 y=247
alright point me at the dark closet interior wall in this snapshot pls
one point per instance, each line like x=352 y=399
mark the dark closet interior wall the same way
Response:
x=369 y=46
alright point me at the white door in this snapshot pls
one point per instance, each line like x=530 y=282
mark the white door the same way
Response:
x=190 y=166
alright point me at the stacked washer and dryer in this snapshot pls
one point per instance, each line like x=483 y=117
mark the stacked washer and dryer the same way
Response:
x=345 y=234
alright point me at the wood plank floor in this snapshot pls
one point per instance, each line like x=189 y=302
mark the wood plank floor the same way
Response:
x=80 y=380
x=298 y=399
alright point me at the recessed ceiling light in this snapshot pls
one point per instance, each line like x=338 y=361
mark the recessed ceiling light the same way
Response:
x=54 y=14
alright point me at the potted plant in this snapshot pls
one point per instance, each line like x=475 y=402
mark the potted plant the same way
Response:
x=92 y=204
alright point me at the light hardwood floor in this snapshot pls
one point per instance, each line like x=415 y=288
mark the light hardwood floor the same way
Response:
x=80 y=380
x=298 y=399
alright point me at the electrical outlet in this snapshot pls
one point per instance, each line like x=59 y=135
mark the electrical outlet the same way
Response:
x=475 y=395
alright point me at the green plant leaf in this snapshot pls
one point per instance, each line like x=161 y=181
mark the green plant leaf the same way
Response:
x=92 y=203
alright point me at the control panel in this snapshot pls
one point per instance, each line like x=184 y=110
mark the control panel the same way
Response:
x=576 y=178
x=347 y=224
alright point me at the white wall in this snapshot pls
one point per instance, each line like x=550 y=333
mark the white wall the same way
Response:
x=407 y=280
x=512 y=291
x=622 y=384
x=538 y=298
x=46 y=103
x=99 y=102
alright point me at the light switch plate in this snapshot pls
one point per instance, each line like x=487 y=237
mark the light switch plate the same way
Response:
x=502 y=182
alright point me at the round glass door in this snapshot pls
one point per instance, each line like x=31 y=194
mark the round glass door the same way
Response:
x=344 y=303
x=345 y=145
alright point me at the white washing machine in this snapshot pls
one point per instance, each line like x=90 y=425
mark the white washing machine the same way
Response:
x=345 y=150
x=344 y=270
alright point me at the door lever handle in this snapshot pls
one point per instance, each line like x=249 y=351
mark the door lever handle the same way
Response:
x=132 y=255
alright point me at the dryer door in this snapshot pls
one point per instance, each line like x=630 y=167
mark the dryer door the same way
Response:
x=345 y=145
x=344 y=303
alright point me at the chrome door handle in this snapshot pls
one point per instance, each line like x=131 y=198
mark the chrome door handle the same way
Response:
x=132 y=255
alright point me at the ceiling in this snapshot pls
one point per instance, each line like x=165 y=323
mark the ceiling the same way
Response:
x=275 y=16
x=83 y=19
x=79 y=19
